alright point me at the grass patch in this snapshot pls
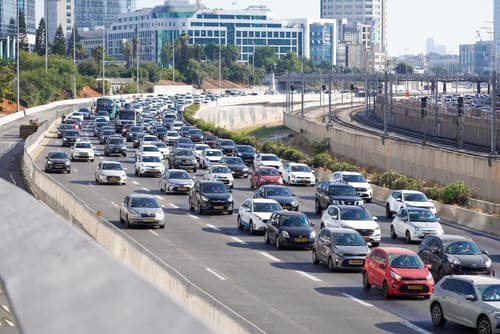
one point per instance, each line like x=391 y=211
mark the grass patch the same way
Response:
x=264 y=132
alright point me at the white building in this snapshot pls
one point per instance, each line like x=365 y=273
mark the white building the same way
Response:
x=59 y=13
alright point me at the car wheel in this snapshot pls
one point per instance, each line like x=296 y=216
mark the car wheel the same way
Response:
x=366 y=282
x=388 y=212
x=393 y=233
x=437 y=315
x=266 y=237
x=375 y=244
x=385 y=290
x=314 y=257
x=322 y=226
x=238 y=222
x=251 y=185
x=194 y=170
x=191 y=207
x=331 y=266
x=317 y=207
x=408 y=237
x=97 y=180
x=277 y=243
x=483 y=325
x=199 y=210
x=127 y=224
x=250 y=228
x=136 y=172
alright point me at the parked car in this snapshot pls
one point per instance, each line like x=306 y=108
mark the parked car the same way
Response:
x=220 y=173
x=401 y=198
x=141 y=209
x=282 y=194
x=355 y=217
x=176 y=181
x=149 y=165
x=454 y=254
x=210 y=156
x=210 y=196
x=254 y=214
x=298 y=173
x=265 y=175
x=245 y=152
x=110 y=172
x=335 y=193
x=472 y=301
x=183 y=158
x=268 y=160
x=82 y=150
x=397 y=271
x=115 y=145
x=340 y=248
x=57 y=161
x=236 y=165
x=290 y=229
x=414 y=224
x=357 y=180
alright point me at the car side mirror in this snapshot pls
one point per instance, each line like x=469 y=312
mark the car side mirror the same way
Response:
x=428 y=266
x=470 y=297
x=313 y=224
x=399 y=199
x=435 y=250
x=484 y=251
x=381 y=265
x=374 y=217
x=335 y=217
x=328 y=243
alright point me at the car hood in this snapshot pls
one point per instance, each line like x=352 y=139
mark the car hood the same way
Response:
x=223 y=175
x=263 y=215
x=360 y=184
x=185 y=157
x=477 y=260
x=152 y=164
x=112 y=172
x=237 y=166
x=58 y=160
x=283 y=199
x=352 y=249
x=182 y=182
x=420 y=204
x=270 y=178
x=271 y=163
x=431 y=225
x=302 y=174
x=495 y=304
x=146 y=210
x=359 y=224
x=297 y=231
x=217 y=196
x=88 y=150
x=411 y=272
x=345 y=198
x=214 y=158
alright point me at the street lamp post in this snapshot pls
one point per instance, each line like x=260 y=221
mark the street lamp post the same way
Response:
x=18 y=90
x=74 y=62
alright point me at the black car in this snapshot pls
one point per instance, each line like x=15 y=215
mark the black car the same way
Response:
x=137 y=139
x=63 y=128
x=183 y=131
x=97 y=127
x=279 y=193
x=245 y=152
x=454 y=254
x=196 y=135
x=337 y=193
x=133 y=132
x=70 y=137
x=58 y=162
x=184 y=143
x=210 y=196
x=227 y=146
x=115 y=145
x=161 y=132
x=105 y=134
x=290 y=229
x=236 y=165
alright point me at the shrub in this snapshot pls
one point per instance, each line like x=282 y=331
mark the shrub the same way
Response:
x=320 y=146
x=456 y=193
x=292 y=154
x=385 y=179
x=434 y=192
x=321 y=160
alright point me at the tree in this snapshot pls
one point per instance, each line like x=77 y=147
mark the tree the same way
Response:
x=59 y=44
x=23 y=37
x=41 y=35
x=194 y=73
x=6 y=79
x=288 y=64
x=403 y=68
x=127 y=52
x=265 y=57
x=77 y=38
x=97 y=54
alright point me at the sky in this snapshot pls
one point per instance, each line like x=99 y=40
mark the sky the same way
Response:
x=409 y=22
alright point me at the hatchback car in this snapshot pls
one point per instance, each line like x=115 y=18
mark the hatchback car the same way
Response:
x=236 y=165
x=110 y=172
x=245 y=152
x=227 y=146
x=176 y=181
x=149 y=165
x=281 y=194
x=210 y=196
x=397 y=271
x=184 y=142
x=289 y=229
x=414 y=224
x=57 y=161
x=298 y=173
x=265 y=175
x=254 y=214
x=210 y=156
x=340 y=248
x=141 y=209
x=183 y=158
x=211 y=140
x=406 y=198
x=268 y=160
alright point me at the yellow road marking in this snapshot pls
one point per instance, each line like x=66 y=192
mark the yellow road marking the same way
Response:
x=42 y=146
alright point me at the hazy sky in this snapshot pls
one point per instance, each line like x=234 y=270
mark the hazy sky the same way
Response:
x=409 y=24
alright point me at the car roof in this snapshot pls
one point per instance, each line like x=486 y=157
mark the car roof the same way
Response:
x=297 y=164
x=264 y=200
x=407 y=191
x=177 y=170
x=111 y=162
x=208 y=181
x=340 y=230
x=338 y=184
x=273 y=185
x=141 y=196
x=292 y=213
x=267 y=154
x=348 y=172
x=396 y=250
x=450 y=237
x=476 y=279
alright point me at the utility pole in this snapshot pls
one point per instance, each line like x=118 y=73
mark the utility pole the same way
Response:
x=173 y=59
x=17 y=61
x=74 y=62
x=385 y=103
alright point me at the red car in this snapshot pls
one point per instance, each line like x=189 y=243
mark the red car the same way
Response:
x=211 y=140
x=397 y=271
x=265 y=175
x=74 y=123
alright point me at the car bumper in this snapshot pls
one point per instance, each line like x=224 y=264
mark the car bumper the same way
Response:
x=58 y=168
x=112 y=179
x=421 y=234
x=411 y=288
x=217 y=206
x=292 y=243
x=350 y=262
x=303 y=181
x=119 y=151
x=176 y=188
x=146 y=222
x=86 y=157
x=154 y=172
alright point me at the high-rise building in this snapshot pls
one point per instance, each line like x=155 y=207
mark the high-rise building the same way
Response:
x=496 y=33
x=94 y=13
x=8 y=23
x=59 y=13
x=368 y=12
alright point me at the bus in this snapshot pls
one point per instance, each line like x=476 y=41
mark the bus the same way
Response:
x=125 y=116
x=106 y=104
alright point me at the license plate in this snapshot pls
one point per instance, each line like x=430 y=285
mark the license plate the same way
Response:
x=182 y=189
x=218 y=206
x=366 y=238
x=300 y=239
x=415 y=287
x=356 y=262
x=59 y=166
x=149 y=220
x=114 y=179
x=285 y=206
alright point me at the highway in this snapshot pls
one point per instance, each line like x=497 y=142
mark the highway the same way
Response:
x=281 y=291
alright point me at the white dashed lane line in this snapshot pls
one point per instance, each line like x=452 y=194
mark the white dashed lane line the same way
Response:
x=154 y=233
x=309 y=276
x=173 y=205
x=146 y=190
x=238 y=240
x=192 y=216
x=270 y=257
x=357 y=300
x=135 y=182
x=415 y=327
x=114 y=204
x=216 y=274
x=213 y=227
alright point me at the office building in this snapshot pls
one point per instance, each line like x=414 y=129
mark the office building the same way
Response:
x=93 y=13
x=8 y=24
x=59 y=13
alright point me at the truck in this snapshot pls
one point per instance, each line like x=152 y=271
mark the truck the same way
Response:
x=124 y=117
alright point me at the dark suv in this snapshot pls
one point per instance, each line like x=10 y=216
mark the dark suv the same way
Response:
x=70 y=137
x=328 y=193
x=57 y=161
x=210 y=196
x=115 y=145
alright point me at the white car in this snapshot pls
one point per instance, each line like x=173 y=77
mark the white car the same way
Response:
x=297 y=173
x=357 y=180
x=198 y=151
x=151 y=150
x=220 y=173
x=407 y=198
x=82 y=150
x=163 y=149
x=414 y=224
x=254 y=213
x=171 y=137
x=355 y=217
x=210 y=156
x=77 y=115
x=177 y=125
x=268 y=160
x=149 y=165
x=149 y=140
x=110 y=172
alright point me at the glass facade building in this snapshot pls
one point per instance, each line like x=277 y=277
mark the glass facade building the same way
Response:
x=92 y=13
x=8 y=23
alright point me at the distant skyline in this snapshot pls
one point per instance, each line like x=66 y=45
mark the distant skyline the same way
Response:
x=409 y=22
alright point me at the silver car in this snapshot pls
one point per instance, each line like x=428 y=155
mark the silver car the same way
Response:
x=110 y=172
x=176 y=181
x=142 y=209
x=473 y=301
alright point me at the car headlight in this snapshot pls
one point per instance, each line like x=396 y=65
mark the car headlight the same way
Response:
x=360 y=203
x=455 y=262
x=245 y=169
x=294 y=203
x=487 y=263
x=377 y=229
x=159 y=215
x=312 y=235
x=67 y=163
x=496 y=314
x=230 y=198
x=395 y=276
x=134 y=214
x=50 y=162
x=429 y=277
x=285 y=234
x=204 y=198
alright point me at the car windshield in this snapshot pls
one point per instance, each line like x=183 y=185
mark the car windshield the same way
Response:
x=245 y=149
x=179 y=175
x=184 y=140
x=221 y=169
x=71 y=133
x=58 y=155
x=211 y=138
x=111 y=166
x=214 y=154
x=422 y=216
x=300 y=168
x=405 y=261
x=489 y=293
x=161 y=145
x=353 y=178
x=116 y=141
x=195 y=132
x=227 y=142
x=269 y=172
x=269 y=158
x=184 y=153
x=278 y=191
x=172 y=134
x=150 y=138
x=161 y=130
x=295 y=221
x=266 y=207
x=144 y=202
x=348 y=239
x=150 y=149
x=415 y=197
x=212 y=188
x=150 y=158
x=462 y=247
x=354 y=214
x=65 y=127
x=135 y=129
x=83 y=145
x=108 y=132
x=200 y=147
x=342 y=191
x=233 y=161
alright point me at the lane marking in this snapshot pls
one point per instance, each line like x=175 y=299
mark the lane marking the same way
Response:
x=357 y=300
x=192 y=216
x=172 y=204
x=238 y=240
x=213 y=227
x=415 y=327
x=5 y=307
x=309 y=276
x=146 y=190
x=270 y=257
x=216 y=274
x=114 y=204
x=154 y=233
x=75 y=170
x=135 y=182
x=42 y=146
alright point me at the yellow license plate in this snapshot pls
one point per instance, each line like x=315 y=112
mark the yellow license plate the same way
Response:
x=356 y=262
x=182 y=189
x=300 y=239
x=415 y=287
x=149 y=220
x=366 y=238
x=219 y=207
x=285 y=206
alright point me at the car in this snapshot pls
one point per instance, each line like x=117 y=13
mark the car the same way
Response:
x=298 y=173
x=290 y=229
x=355 y=217
x=397 y=271
x=75 y=123
x=77 y=115
x=136 y=142
x=335 y=193
x=400 y=198
x=254 y=214
x=115 y=145
x=141 y=209
x=195 y=135
x=210 y=196
x=151 y=150
x=103 y=114
x=236 y=165
x=105 y=134
x=184 y=142
x=161 y=132
x=227 y=146
x=57 y=161
x=110 y=172
x=177 y=125
x=268 y=160
x=163 y=149
x=245 y=152
x=133 y=131
x=183 y=131
x=198 y=151
x=62 y=128
x=176 y=181
x=281 y=194
x=97 y=126
x=171 y=137
x=340 y=248
x=211 y=140
x=149 y=165
x=210 y=156
x=414 y=224
x=82 y=150
x=357 y=180
x=220 y=173
x=183 y=158
x=70 y=137
x=472 y=301
x=149 y=140
x=86 y=112
x=454 y=254
x=265 y=175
